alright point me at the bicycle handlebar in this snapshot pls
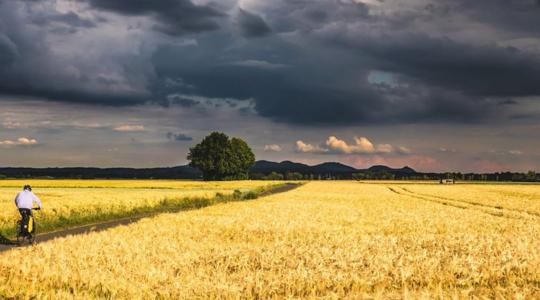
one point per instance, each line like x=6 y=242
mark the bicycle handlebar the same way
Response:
x=36 y=208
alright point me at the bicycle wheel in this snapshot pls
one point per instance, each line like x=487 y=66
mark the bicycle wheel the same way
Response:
x=32 y=239
x=20 y=236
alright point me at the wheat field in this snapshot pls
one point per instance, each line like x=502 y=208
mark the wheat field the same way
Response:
x=322 y=240
x=72 y=202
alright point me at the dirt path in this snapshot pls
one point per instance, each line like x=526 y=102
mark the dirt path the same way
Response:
x=6 y=244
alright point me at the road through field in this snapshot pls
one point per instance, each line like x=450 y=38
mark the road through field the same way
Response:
x=6 y=244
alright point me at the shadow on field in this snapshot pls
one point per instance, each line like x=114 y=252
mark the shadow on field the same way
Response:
x=5 y=241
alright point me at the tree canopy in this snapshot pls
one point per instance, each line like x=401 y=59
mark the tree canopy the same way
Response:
x=220 y=157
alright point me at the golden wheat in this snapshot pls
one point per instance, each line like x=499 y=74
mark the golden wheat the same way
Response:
x=523 y=197
x=324 y=239
x=69 y=200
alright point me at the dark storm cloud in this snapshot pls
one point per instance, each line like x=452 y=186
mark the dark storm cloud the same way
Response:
x=178 y=137
x=73 y=95
x=70 y=19
x=30 y=67
x=182 y=101
x=8 y=50
x=174 y=17
x=477 y=70
x=520 y=16
x=321 y=63
x=324 y=106
x=508 y=102
x=442 y=80
x=307 y=16
x=310 y=94
x=252 y=25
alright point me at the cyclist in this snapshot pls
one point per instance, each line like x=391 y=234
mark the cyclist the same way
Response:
x=24 y=202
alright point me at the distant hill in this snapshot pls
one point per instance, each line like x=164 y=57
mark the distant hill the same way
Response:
x=333 y=167
x=266 y=167
x=405 y=170
x=327 y=169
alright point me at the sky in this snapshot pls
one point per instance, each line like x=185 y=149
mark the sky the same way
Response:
x=437 y=85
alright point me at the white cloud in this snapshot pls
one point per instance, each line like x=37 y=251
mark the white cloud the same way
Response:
x=367 y=2
x=130 y=128
x=443 y=149
x=9 y=124
x=308 y=148
x=92 y=125
x=22 y=141
x=272 y=148
x=404 y=150
x=504 y=152
x=515 y=152
x=361 y=145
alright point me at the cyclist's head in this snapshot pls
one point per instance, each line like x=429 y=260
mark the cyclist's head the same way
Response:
x=27 y=188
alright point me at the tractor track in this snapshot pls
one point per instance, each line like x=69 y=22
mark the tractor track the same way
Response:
x=6 y=244
x=487 y=209
x=475 y=203
x=404 y=193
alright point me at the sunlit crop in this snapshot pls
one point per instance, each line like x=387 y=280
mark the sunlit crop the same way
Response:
x=78 y=201
x=524 y=198
x=324 y=239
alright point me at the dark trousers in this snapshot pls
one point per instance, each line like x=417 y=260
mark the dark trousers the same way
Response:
x=25 y=214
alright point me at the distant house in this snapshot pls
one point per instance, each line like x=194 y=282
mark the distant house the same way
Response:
x=447 y=181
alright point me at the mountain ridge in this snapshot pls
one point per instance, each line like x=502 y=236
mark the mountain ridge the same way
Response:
x=187 y=172
x=264 y=166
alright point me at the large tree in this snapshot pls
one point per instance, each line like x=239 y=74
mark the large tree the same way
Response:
x=219 y=157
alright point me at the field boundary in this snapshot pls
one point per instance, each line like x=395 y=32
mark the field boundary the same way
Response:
x=6 y=244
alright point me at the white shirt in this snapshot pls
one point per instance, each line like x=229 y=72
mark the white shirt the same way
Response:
x=25 y=199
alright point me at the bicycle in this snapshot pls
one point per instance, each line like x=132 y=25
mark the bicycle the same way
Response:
x=30 y=234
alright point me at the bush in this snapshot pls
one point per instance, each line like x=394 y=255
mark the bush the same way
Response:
x=251 y=195
x=294 y=176
x=274 y=176
x=237 y=195
x=257 y=176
